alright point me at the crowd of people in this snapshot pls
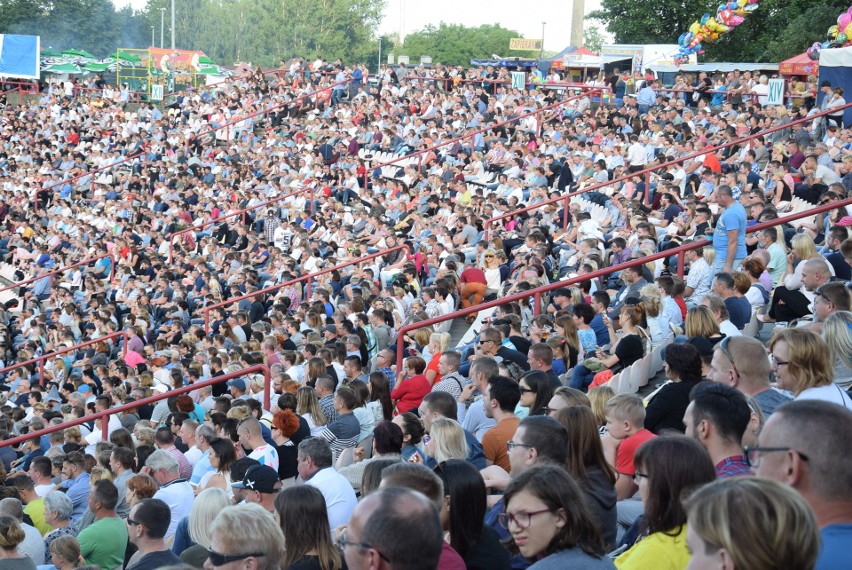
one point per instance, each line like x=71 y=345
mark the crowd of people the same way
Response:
x=513 y=450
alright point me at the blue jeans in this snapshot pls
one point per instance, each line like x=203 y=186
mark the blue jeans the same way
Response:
x=581 y=378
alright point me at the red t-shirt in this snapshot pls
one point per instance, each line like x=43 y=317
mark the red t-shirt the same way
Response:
x=433 y=365
x=627 y=450
x=410 y=392
x=473 y=275
x=712 y=162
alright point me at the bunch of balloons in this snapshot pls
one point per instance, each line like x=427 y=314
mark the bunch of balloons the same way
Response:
x=838 y=36
x=709 y=28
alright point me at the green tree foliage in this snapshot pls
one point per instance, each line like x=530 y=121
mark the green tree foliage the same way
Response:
x=92 y=25
x=454 y=44
x=654 y=22
x=264 y=31
x=257 y=31
x=592 y=38
x=777 y=30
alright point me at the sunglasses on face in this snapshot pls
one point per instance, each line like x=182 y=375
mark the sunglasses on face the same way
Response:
x=217 y=559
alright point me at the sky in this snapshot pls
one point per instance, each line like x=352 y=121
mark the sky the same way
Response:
x=510 y=14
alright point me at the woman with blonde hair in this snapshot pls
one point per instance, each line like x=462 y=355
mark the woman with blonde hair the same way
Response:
x=802 y=365
x=657 y=323
x=446 y=441
x=307 y=406
x=700 y=322
x=791 y=299
x=438 y=343
x=598 y=397
x=837 y=334
x=775 y=526
x=206 y=506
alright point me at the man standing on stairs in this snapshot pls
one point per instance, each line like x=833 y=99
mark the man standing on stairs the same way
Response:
x=729 y=237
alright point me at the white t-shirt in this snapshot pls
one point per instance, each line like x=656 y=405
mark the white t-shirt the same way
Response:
x=831 y=393
x=266 y=455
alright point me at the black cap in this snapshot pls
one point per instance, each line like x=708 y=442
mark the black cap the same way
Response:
x=260 y=478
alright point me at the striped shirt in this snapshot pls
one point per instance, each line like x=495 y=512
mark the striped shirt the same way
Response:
x=342 y=433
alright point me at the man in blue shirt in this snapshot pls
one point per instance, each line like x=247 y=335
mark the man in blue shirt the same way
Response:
x=76 y=483
x=729 y=237
x=806 y=444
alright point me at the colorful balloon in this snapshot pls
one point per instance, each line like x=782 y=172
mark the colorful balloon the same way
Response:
x=729 y=15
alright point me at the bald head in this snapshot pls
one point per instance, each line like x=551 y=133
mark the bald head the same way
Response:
x=815 y=272
x=399 y=523
x=750 y=360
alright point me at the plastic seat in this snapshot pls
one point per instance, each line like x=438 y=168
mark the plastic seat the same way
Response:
x=367 y=445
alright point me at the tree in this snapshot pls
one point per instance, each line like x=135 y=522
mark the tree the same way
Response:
x=777 y=30
x=593 y=38
x=91 y=25
x=454 y=44
x=654 y=22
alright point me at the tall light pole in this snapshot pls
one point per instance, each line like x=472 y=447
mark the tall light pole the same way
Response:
x=379 y=65
x=162 y=26
x=541 y=55
x=173 y=25
x=152 y=35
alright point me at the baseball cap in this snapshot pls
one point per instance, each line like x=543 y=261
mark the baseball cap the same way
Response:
x=330 y=328
x=260 y=478
x=238 y=383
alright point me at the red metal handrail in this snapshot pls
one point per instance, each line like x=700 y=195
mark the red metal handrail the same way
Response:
x=265 y=111
x=470 y=134
x=537 y=292
x=646 y=172
x=41 y=359
x=237 y=213
x=307 y=278
x=267 y=378
x=61 y=270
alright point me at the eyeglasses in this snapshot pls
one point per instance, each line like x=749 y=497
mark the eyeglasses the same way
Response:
x=510 y=445
x=218 y=559
x=132 y=522
x=489 y=257
x=754 y=453
x=638 y=475
x=525 y=390
x=521 y=520
x=777 y=362
x=342 y=543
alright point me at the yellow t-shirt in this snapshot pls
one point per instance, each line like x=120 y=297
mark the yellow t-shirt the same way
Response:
x=658 y=551
x=35 y=510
